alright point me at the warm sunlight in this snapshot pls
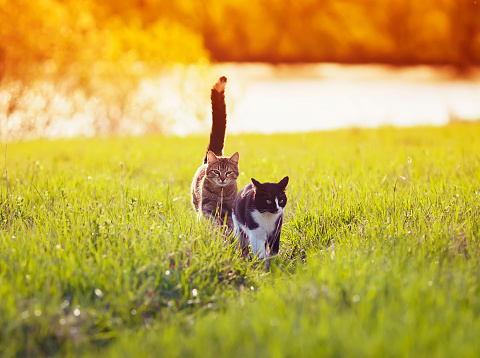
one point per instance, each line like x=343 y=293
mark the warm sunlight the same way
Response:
x=113 y=67
x=232 y=178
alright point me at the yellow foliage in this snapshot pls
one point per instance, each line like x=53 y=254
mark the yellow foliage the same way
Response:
x=87 y=38
x=68 y=38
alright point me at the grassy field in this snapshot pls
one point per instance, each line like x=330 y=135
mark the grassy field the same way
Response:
x=101 y=252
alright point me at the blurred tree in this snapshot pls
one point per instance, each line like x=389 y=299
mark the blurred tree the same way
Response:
x=99 y=51
x=84 y=39
x=82 y=50
x=465 y=33
x=87 y=38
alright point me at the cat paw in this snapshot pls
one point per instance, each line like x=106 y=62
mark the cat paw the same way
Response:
x=220 y=84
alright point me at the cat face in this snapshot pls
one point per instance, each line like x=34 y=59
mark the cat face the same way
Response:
x=270 y=197
x=222 y=170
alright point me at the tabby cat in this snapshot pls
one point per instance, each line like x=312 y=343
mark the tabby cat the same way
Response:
x=258 y=216
x=214 y=185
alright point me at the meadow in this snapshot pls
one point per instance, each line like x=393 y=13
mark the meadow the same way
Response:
x=102 y=254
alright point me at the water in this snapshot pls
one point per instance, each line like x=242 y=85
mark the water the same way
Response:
x=324 y=97
x=260 y=98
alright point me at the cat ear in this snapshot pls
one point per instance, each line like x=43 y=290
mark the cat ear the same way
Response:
x=256 y=183
x=211 y=157
x=283 y=183
x=234 y=158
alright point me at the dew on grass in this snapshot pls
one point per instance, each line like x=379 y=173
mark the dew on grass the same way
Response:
x=133 y=312
x=76 y=312
x=62 y=321
x=274 y=322
x=252 y=288
x=98 y=293
x=38 y=313
x=167 y=272
x=74 y=331
x=25 y=314
x=194 y=292
x=356 y=298
x=430 y=283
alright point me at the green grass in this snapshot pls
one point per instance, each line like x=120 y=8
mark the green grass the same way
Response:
x=379 y=255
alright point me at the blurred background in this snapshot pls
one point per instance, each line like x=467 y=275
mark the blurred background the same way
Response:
x=82 y=67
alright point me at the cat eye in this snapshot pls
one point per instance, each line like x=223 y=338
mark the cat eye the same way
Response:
x=216 y=172
x=281 y=201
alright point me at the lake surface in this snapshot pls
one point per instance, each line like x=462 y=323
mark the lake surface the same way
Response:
x=270 y=99
x=260 y=98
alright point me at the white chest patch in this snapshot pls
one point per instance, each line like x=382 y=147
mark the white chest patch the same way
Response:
x=266 y=226
x=266 y=221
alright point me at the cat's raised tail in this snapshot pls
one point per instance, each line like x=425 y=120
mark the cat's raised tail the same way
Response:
x=219 y=118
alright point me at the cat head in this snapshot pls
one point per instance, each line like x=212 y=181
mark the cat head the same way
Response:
x=270 y=197
x=222 y=170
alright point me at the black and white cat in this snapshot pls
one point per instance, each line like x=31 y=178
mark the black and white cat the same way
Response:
x=258 y=216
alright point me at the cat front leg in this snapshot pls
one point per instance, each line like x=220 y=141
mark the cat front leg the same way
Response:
x=239 y=232
x=228 y=220
x=211 y=217
x=274 y=238
x=258 y=241
x=243 y=243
